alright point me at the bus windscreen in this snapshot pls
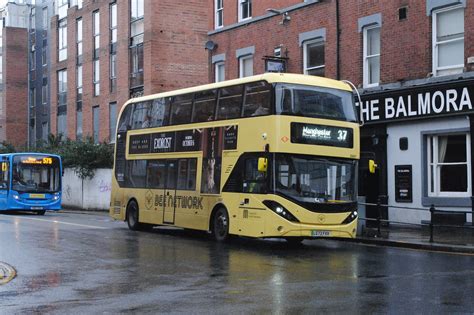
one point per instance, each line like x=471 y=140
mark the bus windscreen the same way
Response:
x=315 y=102
x=36 y=174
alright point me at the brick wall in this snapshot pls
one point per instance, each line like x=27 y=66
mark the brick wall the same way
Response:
x=405 y=45
x=15 y=85
x=174 y=56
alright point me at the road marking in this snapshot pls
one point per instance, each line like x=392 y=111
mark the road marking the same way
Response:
x=7 y=273
x=61 y=222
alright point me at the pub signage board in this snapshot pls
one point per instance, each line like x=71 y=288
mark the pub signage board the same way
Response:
x=403 y=183
x=322 y=135
x=426 y=101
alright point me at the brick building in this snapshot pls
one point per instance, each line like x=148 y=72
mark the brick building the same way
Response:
x=413 y=62
x=14 y=74
x=104 y=52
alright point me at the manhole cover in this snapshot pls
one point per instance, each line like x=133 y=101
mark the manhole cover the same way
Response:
x=7 y=273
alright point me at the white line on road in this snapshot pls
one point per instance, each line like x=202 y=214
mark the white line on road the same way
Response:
x=61 y=222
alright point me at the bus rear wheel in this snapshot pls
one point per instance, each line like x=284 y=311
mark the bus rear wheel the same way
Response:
x=132 y=216
x=220 y=225
x=40 y=212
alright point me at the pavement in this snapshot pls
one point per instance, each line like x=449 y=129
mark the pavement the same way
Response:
x=445 y=239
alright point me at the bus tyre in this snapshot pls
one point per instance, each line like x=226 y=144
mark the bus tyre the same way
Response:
x=132 y=216
x=220 y=225
x=40 y=212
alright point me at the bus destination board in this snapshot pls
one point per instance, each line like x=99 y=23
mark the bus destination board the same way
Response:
x=322 y=135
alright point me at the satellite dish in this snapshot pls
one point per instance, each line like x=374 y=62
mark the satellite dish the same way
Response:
x=210 y=45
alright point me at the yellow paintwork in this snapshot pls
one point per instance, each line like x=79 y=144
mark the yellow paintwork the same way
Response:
x=254 y=134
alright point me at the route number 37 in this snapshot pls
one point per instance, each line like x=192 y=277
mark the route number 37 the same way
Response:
x=342 y=135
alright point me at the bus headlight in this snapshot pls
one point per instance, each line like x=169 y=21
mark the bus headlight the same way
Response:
x=55 y=197
x=16 y=197
x=350 y=218
x=280 y=210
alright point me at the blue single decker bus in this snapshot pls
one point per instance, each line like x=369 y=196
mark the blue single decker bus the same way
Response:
x=30 y=181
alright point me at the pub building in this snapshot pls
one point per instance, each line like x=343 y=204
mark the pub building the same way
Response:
x=419 y=134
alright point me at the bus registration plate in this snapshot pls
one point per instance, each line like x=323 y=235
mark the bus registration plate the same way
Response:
x=37 y=196
x=316 y=233
x=36 y=208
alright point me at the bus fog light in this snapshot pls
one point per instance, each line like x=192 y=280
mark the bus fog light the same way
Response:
x=280 y=228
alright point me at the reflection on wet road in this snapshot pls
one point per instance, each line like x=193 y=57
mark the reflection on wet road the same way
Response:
x=83 y=263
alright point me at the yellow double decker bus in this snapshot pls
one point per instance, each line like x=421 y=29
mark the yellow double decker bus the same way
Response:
x=273 y=155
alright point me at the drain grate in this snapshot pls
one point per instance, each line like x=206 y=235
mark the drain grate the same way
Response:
x=7 y=273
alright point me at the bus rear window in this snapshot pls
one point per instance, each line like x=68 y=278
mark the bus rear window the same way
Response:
x=316 y=102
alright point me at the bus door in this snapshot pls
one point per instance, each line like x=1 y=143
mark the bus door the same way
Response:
x=254 y=183
x=170 y=192
x=4 y=176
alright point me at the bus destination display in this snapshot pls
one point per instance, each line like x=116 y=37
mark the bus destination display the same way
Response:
x=322 y=135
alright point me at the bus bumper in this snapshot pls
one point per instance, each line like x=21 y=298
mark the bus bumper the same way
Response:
x=313 y=231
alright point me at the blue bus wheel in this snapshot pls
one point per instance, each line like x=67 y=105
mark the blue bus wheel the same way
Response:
x=40 y=212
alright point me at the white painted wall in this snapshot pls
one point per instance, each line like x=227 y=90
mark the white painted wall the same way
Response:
x=413 y=156
x=88 y=194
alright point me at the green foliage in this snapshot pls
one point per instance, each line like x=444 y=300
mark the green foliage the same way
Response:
x=82 y=156
x=6 y=147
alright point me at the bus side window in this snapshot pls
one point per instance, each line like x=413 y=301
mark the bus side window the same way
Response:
x=230 y=102
x=181 y=108
x=257 y=99
x=4 y=176
x=204 y=106
x=141 y=117
x=254 y=181
x=124 y=123
x=160 y=112
x=156 y=170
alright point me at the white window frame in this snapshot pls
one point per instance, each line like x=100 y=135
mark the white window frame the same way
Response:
x=217 y=65
x=366 y=82
x=241 y=65
x=454 y=68
x=241 y=4
x=305 y=54
x=219 y=12
x=432 y=147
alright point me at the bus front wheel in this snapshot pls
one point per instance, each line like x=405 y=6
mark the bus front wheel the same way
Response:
x=132 y=216
x=40 y=212
x=220 y=226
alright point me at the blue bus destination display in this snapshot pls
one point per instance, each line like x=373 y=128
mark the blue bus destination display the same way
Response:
x=322 y=135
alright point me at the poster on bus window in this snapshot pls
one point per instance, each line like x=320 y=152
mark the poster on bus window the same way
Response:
x=212 y=160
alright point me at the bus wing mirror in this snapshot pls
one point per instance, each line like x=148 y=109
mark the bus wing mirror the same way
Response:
x=372 y=166
x=262 y=164
x=4 y=167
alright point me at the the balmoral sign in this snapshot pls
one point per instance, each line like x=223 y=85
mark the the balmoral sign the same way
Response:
x=418 y=102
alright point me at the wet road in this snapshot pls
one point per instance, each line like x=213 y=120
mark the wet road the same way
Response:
x=85 y=263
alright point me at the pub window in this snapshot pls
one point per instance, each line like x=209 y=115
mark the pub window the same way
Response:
x=448 y=41
x=181 y=108
x=219 y=13
x=141 y=117
x=245 y=9
x=156 y=172
x=160 y=112
x=313 y=57
x=257 y=99
x=204 y=106
x=371 y=56
x=230 y=102
x=246 y=66
x=449 y=165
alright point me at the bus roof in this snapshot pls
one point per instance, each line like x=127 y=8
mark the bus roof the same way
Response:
x=29 y=153
x=269 y=77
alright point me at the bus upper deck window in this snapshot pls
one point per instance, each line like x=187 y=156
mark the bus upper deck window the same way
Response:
x=230 y=102
x=204 y=106
x=257 y=99
x=181 y=108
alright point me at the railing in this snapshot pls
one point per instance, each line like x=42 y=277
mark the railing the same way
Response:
x=432 y=210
